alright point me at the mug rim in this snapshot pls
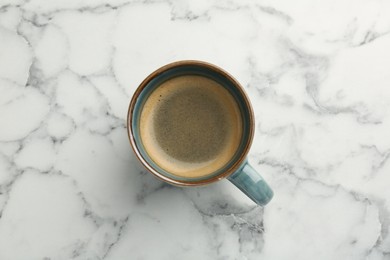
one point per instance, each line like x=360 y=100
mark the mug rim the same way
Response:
x=234 y=167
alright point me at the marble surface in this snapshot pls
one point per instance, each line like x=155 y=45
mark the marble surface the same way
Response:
x=318 y=76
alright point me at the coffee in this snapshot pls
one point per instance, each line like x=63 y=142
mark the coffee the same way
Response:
x=191 y=126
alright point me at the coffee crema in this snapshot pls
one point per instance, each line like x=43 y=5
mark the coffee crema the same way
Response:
x=191 y=126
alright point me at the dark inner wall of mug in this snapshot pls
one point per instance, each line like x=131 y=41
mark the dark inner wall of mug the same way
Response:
x=184 y=71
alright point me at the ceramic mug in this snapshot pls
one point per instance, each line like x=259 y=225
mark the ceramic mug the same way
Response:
x=237 y=170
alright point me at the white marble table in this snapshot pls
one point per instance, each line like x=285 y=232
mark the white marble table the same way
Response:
x=317 y=72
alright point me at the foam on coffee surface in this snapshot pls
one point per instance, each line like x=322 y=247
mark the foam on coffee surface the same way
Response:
x=191 y=126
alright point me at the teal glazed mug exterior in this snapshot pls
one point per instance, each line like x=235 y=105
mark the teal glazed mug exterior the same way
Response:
x=237 y=170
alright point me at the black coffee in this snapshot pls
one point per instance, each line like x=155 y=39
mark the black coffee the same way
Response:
x=191 y=126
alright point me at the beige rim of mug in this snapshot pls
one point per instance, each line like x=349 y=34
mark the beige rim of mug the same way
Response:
x=209 y=66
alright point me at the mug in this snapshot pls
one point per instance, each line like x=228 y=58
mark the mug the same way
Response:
x=236 y=169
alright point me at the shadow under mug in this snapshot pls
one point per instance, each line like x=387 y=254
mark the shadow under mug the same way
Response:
x=237 y=170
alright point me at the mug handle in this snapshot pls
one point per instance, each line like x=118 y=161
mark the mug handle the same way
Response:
x=249 y=181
